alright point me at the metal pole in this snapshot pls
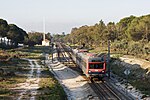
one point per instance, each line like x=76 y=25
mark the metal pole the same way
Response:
x=44 y=57
x=52 y=52
x=52 y=55
x=109 y=59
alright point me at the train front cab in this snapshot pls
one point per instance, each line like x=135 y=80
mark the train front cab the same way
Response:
x=96 y=69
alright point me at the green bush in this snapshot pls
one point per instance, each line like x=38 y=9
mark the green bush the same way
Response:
x=4 y=91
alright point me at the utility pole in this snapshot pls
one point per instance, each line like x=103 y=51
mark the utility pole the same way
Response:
x=146 y=32
x=52 y=51
x=44 y=57
x=109 y=59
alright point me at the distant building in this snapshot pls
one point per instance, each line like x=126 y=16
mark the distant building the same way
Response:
x=5 y=40
x=45 y=42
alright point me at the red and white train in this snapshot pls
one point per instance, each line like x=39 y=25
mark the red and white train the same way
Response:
x=91 y=64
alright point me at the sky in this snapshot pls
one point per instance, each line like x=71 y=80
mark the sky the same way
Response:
x=63 y=15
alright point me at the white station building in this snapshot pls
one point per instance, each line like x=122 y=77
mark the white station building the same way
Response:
x=45 y=42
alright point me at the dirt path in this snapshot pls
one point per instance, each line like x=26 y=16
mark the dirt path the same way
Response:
x=29 y=88
x=136 y=62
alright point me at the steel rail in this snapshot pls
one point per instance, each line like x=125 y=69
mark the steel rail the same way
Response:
x=115 y=95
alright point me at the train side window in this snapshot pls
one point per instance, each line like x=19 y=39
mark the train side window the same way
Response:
x=91 y=66
x=100 y=66
x=96 y=66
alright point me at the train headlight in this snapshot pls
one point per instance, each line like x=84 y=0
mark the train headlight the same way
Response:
x=89 y=71
x=102 y=71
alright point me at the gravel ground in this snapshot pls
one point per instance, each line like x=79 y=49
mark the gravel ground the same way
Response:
x=74 y=85
x=132 y=63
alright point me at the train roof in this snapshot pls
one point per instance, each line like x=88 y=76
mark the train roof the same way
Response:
x=83 y=50
x=90 y=56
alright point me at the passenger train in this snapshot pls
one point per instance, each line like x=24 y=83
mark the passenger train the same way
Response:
x=92 y=65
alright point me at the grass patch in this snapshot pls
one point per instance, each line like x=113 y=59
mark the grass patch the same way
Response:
x=50 y=87
x=4 y=91
x=116 y=55
x=142 y=85
x=30 y=52
x=11 y=75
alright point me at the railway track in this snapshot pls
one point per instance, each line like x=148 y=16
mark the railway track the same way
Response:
x=103 y=89
x=62 y=55
x=66 y=55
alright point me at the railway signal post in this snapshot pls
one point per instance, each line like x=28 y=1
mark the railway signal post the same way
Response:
x=52 y=51
x=109 y=59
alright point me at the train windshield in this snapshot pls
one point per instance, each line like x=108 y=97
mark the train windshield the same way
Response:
x=96 y=66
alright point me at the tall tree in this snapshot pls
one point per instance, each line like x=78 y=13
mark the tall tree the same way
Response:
x=16 y=34
x=35 y=38
x=4 y=27
x=112 y=32
x=48 y=36
x=122 y=27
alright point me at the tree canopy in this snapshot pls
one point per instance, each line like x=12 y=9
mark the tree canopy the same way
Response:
x=129 y=28
x=4 y=28
x=126 y=35
x=37 y=38
x=12 y=32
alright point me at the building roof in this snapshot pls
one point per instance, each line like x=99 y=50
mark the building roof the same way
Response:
x=46 y=40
